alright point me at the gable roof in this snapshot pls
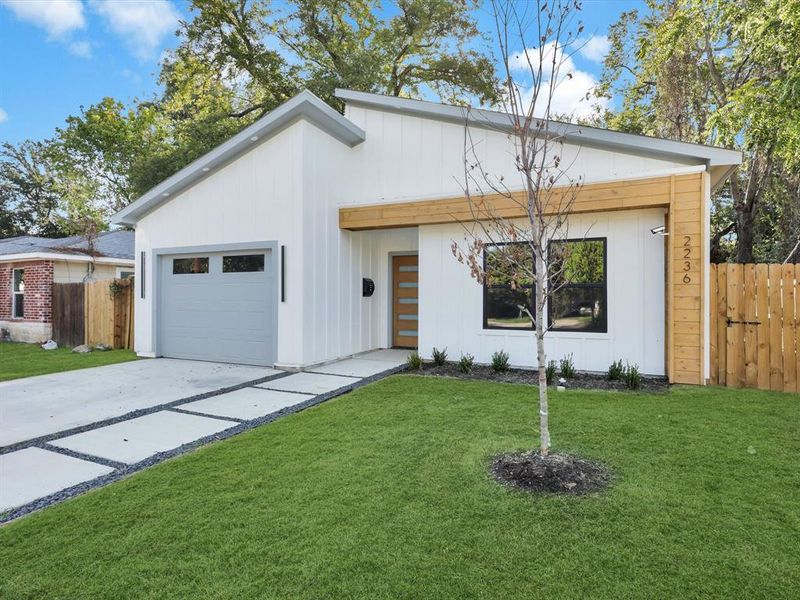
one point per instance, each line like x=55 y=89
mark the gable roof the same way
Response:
x=721 y=161
x=109 y=244
x=304 y=105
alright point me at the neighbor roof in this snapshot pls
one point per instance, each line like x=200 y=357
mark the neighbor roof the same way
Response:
x=109 y=244
x=580 y=134
x=304 y=105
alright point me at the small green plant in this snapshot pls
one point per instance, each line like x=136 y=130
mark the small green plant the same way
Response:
x=550 y=372
x=465 y=363
x=439 y=356
x=500 y=361
x=632 y=377
x=567 y=367
x=414 y=361
x=616 y=370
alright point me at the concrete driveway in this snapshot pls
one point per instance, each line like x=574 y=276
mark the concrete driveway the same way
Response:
x=65 y=433
x=38 y=406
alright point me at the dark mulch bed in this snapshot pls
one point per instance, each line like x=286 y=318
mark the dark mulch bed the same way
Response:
x=555 y=473
x=587 y=381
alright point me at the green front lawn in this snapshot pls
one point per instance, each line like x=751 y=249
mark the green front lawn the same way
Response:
x=383 y=493
x=25 y=360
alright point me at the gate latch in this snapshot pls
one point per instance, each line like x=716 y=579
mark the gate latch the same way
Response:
x=732 y=322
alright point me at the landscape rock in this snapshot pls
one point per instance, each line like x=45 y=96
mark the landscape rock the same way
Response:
x=102 y=347
x=82 y=349
x=49 y=345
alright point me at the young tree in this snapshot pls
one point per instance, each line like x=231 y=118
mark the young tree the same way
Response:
x=536 y=41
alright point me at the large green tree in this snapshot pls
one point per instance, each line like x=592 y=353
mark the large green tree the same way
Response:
x=425 y=45
x=29 y=190
x=723 y=73
x=236 y=60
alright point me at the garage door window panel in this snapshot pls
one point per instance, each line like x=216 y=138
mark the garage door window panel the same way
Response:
x=190 y=266
x=243 y=263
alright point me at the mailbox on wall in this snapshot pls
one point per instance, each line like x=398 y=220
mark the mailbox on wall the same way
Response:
x=367 y=287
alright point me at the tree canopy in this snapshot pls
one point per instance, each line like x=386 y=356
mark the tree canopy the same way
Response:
x=722 y=73
x=235 y=61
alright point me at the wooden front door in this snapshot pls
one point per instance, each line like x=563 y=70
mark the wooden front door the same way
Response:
x=405 y=301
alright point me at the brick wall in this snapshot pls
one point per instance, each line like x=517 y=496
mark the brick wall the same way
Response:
x=38 y=290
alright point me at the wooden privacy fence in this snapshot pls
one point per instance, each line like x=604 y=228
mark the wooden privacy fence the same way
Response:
x=755 y=326
x=96 y=312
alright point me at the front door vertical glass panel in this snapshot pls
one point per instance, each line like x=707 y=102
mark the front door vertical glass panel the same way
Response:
x=405 y=301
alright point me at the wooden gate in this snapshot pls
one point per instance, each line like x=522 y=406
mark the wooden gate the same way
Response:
x=68 y=313
x=755 y=322
x=109 y=313
x=97 y=312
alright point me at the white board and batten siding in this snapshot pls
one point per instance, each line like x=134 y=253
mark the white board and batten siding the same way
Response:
x=451 y=302
x=288 y=190
x=406 y=157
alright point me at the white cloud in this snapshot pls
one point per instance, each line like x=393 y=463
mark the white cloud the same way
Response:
x=594 y=48
x=82 y=49
x=3 y=116
x=141 y=24
x=57 y=17
x=571 y=84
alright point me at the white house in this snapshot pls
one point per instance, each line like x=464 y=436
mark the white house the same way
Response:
x=313 y=235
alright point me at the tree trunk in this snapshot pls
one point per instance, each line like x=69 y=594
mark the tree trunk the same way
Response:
x=544 y=416
x=745 y=221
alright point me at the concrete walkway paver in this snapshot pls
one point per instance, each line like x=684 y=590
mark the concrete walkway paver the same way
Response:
x=142 y=437
x=247 y=403
x=130 y=416
x=309 y=383
x=32 y=473
x=355 y=367
x=38 y=406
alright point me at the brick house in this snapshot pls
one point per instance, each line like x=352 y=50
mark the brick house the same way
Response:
x=29 y=266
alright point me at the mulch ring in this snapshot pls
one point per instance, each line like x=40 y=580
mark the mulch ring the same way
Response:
x=585 y=381
x=553 y=474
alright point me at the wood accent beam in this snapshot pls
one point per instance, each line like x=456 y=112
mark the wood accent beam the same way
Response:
x=594 y=197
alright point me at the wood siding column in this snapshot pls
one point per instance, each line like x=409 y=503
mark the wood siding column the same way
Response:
x=687 y=280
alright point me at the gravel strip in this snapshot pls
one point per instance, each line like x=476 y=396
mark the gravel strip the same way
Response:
x=87 y=457
x=185 y=411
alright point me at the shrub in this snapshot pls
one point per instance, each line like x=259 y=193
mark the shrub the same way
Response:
x=414 y=361
x=567 y=367
x=616 y=371
x=465 y=363
x=500 y=361
x=550 y=372
x=439 y=357
x=632 y=377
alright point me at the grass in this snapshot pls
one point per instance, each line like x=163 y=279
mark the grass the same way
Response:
x=26 y=360
x=384 y=493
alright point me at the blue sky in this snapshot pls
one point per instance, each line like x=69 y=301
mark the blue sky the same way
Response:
x=59 y=55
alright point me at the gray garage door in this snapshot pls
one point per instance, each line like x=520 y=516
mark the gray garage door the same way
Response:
x=218 y=307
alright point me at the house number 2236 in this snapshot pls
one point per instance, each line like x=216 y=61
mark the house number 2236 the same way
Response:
x=687 y=258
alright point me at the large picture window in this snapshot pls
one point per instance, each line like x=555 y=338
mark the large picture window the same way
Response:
x=18 y=294
x=502 y=294
x=578 y=285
